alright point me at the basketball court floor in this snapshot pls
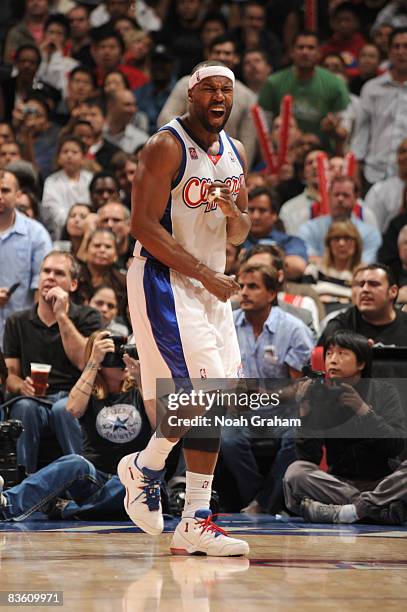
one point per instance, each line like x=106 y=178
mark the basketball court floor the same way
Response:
x=114 y=567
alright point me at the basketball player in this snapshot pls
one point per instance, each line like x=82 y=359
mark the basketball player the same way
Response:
x=188 y=197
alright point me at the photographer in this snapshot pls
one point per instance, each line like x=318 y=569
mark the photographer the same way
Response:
x=362 y=426
x=111 y=411
x=108 y=404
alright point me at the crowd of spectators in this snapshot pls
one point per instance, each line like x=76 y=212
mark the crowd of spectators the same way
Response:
x=83 y=84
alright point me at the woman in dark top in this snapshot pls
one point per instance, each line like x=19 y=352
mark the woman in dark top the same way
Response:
x=99 y=269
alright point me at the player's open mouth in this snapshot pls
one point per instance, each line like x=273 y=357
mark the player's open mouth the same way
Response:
x=217 y=111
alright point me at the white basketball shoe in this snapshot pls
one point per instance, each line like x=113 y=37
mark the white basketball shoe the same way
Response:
x=198 y=535
x=143 y=498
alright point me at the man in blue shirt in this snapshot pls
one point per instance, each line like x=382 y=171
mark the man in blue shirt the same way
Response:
x=23 y=245
x=273 y=344
x=343 y=206
x=263 y=210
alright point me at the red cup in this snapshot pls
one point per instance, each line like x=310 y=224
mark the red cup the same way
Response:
x=39 y=374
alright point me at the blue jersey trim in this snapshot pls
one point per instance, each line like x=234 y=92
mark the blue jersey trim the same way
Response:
x=232 y=144
x=198 y=144
x=181 y=170
x=160 y=305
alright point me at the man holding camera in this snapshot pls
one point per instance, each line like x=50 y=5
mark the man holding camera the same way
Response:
x=23 y=244
x=53 y=332
x=362 y=426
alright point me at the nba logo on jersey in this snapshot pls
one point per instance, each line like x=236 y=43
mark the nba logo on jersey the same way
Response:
x=202 y=372
x=232 y=158
x=192 y=152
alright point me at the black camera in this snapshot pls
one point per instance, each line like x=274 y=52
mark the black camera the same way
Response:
x=9 y=469
x=322 y=389
x=115 y=359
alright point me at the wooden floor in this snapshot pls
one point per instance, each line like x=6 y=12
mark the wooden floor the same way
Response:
x=292 y=566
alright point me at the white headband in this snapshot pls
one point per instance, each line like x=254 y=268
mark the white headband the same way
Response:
x=210 y=71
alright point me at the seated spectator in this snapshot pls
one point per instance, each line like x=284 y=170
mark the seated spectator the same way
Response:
x=254 y=34
x=114 y=81
x=381 y=38
x=343 y=206
x=99 y=269
x=307 y=82
x=103 y=188
x=273 y=344
x=298 y=210
x=9 y=153
x=263 y=210
x=301 y=306
x=80 y=87
x=368 y=67
x=120 y=129
x=105 y=301
x=27 y=203
x=152 y=96
x=256 y=67
x=84 y=131
x=359 y=483
x=373 y=314
x=29 y=30
x=101 y=150
x=138 y=47
x=73 y=230
x=17 y=87
x=53 y=332
x=107 y=51
x=332 y=278
x=346 y=38
x=72 y=487
x=65 y=187
x=55 y=66
x=382 y=126
x=36 y=133
x=116 y=217
x=213 y=25
x=6 y=133
x=79 y=43
x=402 y=273
x=386 y=199
x=23 y=245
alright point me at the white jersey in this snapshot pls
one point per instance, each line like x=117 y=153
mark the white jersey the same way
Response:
x=197 y=225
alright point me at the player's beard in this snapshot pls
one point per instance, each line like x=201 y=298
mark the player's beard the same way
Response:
x=213 y=129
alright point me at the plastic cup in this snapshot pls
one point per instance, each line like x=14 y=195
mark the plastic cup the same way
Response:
x=39 y=375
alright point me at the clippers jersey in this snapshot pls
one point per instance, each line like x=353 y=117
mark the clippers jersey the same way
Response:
x=196 y=224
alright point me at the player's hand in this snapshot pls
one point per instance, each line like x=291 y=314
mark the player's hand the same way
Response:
x=103 y=344
x=222 y=196
x=4 y=296
x=221 y=286
x=59 y=300
x=27 y=388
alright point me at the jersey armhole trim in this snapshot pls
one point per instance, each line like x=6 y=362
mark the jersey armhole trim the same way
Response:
x=181 y=170
x=232 y=144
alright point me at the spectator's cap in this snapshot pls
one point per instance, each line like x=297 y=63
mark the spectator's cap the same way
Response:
x=163 y=53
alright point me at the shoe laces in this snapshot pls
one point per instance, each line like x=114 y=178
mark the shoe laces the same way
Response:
x=207 y=524
x=152 y=492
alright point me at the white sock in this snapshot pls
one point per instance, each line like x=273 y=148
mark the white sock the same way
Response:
x=155 y=453
x=347 y=514
x=198 y=493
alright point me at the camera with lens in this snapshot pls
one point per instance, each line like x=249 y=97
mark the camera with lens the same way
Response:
x=323 y=389
x=9 y=433
x=115 y=359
